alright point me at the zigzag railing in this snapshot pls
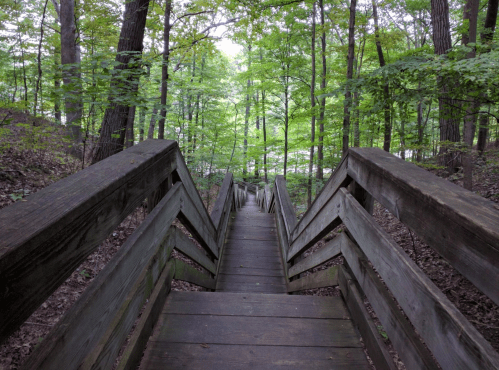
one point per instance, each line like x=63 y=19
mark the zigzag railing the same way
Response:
x=461 y=226
x=47 y=237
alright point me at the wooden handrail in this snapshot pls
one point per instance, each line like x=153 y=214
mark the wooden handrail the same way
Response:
x=410 y=193
x=460 y=225
x=45 y=238
x=74 y=215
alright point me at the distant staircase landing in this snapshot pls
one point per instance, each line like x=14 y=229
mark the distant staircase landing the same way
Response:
x=249 y=322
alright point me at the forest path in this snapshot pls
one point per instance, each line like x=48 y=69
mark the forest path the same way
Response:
x=249 y=322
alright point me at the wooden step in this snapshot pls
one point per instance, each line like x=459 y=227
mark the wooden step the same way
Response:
x=205 y=330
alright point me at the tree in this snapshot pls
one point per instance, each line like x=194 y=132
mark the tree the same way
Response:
x=130 y=46
x=70 y=74
x=449 y=123
x=348 y=93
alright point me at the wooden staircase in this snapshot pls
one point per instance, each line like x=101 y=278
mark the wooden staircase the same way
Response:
x=249 y=322
x=249 y=254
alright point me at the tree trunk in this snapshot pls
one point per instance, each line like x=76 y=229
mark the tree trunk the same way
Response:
x=257 y=126
x=164 y=69
x=39 y=61
x=486 y=38
x=112 y=135
x=129 y=139
x=264 y=129
x=246 y=119
x=73 y=109
x=386 y=92
x=312 y=121
x=348 y=93
x=320 y=152
x=470 y=14
x=449 y=123
x=152 y=122
x=57 y=86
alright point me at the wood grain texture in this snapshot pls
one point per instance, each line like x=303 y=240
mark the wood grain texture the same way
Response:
x=222 y=198
x=318 y=279
x=190 y=187
x=187 y=247
x=331 y=250
x=454 y=342
x=134 y=349
x=337 y=179
x=251 y=304
x=185 y=272
x=376 y=348
x=243 y=357
x=55 y=229
x=461 y=226
x=194 y=221
x=247 y=330
x=287 y=210
x=103 y=316
x=402 y=335
x=323 y=222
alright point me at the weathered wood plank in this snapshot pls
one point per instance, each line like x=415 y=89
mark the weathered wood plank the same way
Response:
x=220 y=203
x=185 y=177
x=252 y=279
x=331 y=250
x=184 y=245
x=287 y=210
x=238 y=270
x=253 y=262
x=268 y=198
x=248 y=304
x=319 y=279
x=282 y=237
x=338 y=178
x=103 y=316
x=376 y=348
x=187 y=273
x=461 y=226
x=245 y=287
x=258 y=331
x=412 y=351
x=243 y=357
x=452 y=339
x=45 y=238
x=324 y=221
x=132 y=354
x=193 y=220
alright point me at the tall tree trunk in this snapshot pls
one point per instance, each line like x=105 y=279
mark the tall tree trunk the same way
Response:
x=152 y=122
x=356 y=95
x=286 y=118
x=348 y=93
x=386 y=92
x=320 y=149
x=312 y=121
x=129 y=139
x=142 y=121
x=486 y=38
x=57 y=86
x=257 y=126
x=112 y=135
x=264 y=129
x=469 y=36
x=449 y=123
x=69 y=56
x=39 y=60
x=419 y=150
x=164 y=69
x=246 y=119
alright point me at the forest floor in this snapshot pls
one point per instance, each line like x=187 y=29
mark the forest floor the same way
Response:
x=33 y=156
